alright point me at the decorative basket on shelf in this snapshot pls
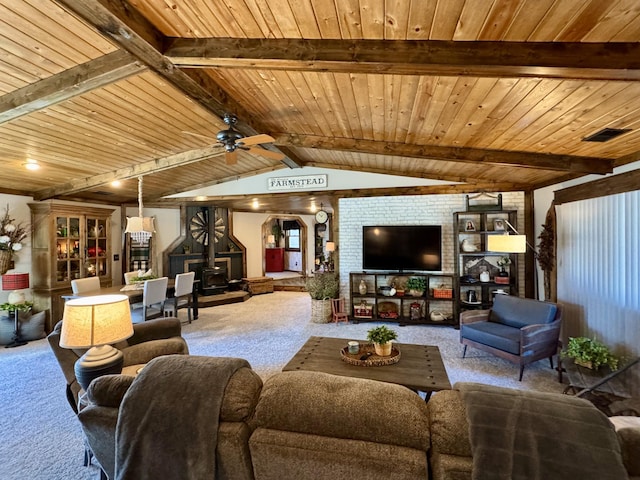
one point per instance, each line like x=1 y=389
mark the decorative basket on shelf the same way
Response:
x=442 y=292
x=5 y=261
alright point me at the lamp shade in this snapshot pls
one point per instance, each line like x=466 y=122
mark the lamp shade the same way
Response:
x=271 y=239
x=15 y=281
x=97 y=320
x=140 y=224
x=507 y=243
x=331 y=247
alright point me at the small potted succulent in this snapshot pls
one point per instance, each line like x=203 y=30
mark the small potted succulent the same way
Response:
x=590 y=353
x=381 y=338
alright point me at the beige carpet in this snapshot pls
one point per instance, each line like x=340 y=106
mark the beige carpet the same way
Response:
x=41 y=437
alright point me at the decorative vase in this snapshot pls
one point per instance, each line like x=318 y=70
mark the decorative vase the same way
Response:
x=383 y=349
x=362 y=288
x=5 y=261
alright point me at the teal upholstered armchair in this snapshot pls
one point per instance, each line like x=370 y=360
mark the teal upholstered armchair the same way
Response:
x=521 y=330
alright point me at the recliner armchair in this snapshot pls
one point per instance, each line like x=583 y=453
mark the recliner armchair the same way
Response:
x=149 y=340
x=106 y=414
x=521 y=330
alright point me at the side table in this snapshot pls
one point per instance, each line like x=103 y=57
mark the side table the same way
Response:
x=604 y=388
x=583 y=380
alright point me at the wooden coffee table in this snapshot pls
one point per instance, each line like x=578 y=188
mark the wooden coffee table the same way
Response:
x=420 y=367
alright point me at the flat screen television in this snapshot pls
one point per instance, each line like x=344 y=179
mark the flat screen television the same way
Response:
x=402 y=247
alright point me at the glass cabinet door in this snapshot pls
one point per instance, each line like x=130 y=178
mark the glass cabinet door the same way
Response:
x=96 y=249
x=68 y=248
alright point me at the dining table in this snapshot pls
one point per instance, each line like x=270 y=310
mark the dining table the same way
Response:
x=135 y=293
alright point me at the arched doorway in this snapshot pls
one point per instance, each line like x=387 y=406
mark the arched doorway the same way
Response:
x=285 y=246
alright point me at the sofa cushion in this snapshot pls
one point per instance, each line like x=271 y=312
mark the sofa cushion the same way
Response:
x=448 y=424
x=343 y=407
x=240 y=396
x=278 y=454
x=519 y=312
x=628 y=431
x=495 y=335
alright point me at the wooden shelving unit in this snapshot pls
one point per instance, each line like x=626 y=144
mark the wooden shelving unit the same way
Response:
x=471 y=230
x=404 y=308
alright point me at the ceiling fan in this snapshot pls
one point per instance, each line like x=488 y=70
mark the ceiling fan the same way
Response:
x=232 y=140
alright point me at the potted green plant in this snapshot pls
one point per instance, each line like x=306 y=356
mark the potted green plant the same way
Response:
x=381 y=338
x=416 y=286
x=590 y=353
x=322 y=287
x=12 y=307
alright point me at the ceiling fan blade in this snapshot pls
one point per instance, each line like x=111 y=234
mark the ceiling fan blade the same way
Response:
x=194 y=134
x=256 y=139
x=231 y=157
x=267 y=153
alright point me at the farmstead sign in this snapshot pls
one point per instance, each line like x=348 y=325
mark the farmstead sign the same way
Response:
x=297 y=183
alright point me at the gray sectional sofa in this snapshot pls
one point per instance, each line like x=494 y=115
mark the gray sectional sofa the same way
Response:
x=309 y=425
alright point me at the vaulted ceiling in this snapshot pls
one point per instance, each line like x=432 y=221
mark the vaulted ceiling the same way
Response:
x=494 y=95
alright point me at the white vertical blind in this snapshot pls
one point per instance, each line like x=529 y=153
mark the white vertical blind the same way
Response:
x=599 y=271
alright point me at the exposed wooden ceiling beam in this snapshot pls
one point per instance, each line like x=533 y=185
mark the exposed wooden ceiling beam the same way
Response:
x=231 y=178
x=426 y=176
x=68 y=84
x=153 y=166
x=611 y=185
x=352 y=193
x=579 y=60
x=128 y=29
x=455 y=154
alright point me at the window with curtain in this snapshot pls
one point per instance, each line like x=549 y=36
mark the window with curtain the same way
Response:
x=598 y=281
x=291 y=230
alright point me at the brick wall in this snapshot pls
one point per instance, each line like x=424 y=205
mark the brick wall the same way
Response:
x=354 y=213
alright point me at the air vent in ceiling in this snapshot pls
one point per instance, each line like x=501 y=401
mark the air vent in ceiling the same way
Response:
x=606 y=134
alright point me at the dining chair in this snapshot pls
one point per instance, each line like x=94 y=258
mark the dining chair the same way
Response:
x=154 y=295
x=83 y=285
x=183 y=294
x=129 y=275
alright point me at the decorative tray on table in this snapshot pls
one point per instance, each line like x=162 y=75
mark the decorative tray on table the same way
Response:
x=367 y=357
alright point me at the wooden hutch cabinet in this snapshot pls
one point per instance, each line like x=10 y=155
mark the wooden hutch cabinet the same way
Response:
x=68 y=242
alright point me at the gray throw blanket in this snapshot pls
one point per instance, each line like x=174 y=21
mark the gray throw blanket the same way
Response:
x=168 y=421
x=518 y=435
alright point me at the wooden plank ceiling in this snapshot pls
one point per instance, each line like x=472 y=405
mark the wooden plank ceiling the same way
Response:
x=493 y=95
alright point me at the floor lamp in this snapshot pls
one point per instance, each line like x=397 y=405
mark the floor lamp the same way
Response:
x=517 y=243
x=15 y=282
x=95 y=323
